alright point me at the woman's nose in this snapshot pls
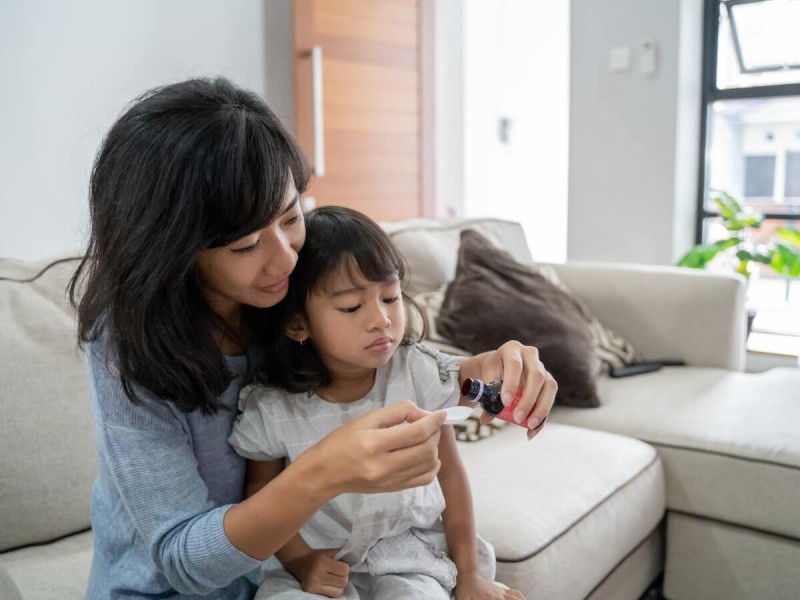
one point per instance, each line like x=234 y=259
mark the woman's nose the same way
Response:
x=280 y=257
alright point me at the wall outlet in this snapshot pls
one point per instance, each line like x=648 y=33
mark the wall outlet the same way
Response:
x=648 y=61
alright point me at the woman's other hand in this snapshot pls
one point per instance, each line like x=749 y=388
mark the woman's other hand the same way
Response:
x=386 y=450
x=519 y=367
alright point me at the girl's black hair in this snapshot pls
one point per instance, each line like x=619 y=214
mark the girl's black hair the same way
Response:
x=188 y=167
x=336 y=238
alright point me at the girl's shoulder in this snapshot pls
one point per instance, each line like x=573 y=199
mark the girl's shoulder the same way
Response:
x=418 y=358
x=266 y=398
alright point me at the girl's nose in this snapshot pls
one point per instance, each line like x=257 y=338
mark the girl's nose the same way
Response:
x=380 y=317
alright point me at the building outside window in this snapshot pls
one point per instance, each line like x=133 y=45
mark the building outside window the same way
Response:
x=751 y=135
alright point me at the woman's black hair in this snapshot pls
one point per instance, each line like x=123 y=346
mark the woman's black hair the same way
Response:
x=188 y=167
x=336 y=238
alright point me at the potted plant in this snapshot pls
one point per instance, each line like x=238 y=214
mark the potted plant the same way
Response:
x=781 y=253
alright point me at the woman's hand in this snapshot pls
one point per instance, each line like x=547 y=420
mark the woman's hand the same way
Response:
x=471 y=586
x=519 y=367
x=386 y=450
x=319 y=573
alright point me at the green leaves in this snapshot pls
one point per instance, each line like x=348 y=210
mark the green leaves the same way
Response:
x=790 y=235
x=782 y=254
x=785 y=261
x=699 y=256
x=734 y=217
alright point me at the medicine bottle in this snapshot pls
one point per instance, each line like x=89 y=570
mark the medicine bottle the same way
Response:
x=488 y=396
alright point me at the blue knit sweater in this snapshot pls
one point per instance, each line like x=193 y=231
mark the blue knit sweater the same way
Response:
x=166 y=479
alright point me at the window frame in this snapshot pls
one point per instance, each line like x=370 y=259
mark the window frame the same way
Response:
x=711 y=93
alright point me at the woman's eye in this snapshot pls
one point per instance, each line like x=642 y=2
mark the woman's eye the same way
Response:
x=246 y=249
x=294 y=220
x=350 y=309
x=391 y=300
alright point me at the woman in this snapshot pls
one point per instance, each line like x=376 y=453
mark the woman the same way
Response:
x=196 y=226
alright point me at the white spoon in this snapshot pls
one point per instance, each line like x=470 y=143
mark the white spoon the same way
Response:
x=457 y=414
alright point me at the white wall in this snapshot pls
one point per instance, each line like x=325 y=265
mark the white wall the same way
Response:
x=516 y=66
x=633 y=138
x=69 y=68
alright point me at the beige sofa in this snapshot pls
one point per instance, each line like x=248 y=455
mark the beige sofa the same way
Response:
x=691 y=472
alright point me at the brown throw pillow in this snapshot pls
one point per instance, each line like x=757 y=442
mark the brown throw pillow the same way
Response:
x=494 y=298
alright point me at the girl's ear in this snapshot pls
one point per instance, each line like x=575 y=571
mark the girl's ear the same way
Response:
x=296 y=329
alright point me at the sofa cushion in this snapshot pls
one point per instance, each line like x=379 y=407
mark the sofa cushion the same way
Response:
x=57 y=570
x=46 y=430
x=430 y=246
x=494 y=298
x=564 y=510
x=725 y=438
x=707 y=559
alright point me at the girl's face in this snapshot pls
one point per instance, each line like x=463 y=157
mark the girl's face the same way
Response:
x=355 y=324
x=254 y=270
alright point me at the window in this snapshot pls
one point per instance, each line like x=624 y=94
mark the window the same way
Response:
x=750 y=134
x=759 y=176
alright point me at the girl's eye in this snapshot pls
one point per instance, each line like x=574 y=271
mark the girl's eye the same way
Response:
x=350 y=309
x=391 y=300
x=294 y=220
x=246 y=249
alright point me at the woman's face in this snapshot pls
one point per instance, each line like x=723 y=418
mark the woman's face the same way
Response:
x=254 y=270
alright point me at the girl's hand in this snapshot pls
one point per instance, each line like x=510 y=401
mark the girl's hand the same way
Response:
x=386 y=450
x=519 y=367
x=319 y=573
x=471 y=586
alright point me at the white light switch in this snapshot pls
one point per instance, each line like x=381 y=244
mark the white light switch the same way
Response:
x=619 y=58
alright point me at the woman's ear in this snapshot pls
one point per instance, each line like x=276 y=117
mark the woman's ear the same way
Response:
x=297 y=330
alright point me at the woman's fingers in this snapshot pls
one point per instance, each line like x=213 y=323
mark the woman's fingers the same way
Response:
x=512 y=367
x=412 y=434
x=389 y=416
x=543 y=404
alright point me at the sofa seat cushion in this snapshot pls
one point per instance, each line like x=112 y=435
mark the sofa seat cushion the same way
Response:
x=563 y=510
x=57 y=570
x=730 y=441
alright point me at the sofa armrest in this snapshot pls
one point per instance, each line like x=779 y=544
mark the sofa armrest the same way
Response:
x=667 y=312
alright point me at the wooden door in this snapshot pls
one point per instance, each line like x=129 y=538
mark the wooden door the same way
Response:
x=375 y=58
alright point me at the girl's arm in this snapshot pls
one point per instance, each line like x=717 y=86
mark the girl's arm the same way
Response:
x=458 y=516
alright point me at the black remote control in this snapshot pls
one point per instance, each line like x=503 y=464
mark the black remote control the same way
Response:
x=644 y=367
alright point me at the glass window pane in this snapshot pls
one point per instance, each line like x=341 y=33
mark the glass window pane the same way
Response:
x=758 y=43
x=792 y=187
x=754 y=152
x=759 y=177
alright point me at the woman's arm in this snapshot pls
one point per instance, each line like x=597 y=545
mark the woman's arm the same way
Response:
x=259 y=474
x=519 y=367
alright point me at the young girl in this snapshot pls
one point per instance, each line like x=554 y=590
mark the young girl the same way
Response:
x=344 y=346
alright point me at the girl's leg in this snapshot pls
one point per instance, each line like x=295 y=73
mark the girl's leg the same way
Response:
x=408 y=587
